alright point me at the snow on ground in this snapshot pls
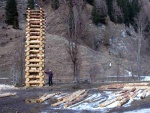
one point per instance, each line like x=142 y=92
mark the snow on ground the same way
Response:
x=6 y=87
x=92 y=102
x=139 y=111
x=145 y=78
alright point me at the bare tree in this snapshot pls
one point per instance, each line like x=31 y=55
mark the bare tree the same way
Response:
x=141 y=21
x=75 y=28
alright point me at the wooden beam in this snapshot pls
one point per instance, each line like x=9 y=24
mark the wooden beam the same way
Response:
x=32 y=76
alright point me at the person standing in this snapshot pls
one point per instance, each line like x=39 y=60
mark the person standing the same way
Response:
x=50 y=76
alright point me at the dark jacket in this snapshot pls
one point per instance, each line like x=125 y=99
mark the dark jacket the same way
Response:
x=50 y=74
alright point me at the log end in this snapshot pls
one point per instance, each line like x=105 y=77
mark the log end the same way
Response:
x=65 y=106
x=101 y=105
x=119 y=104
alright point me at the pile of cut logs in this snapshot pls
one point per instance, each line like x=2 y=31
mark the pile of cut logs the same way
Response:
x=125 y=86
x=34 y=48
x=72 y=98
x=125 y=95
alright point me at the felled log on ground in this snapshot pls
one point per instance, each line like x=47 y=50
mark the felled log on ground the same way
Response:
x=45 y=97
x=108 y=102
x=70 y=98
x=123 y=101
x=41 y=99
x=80 y=98
x=135 y=93
x=119 y=98
x=136 y=84
x=31 y=100
x=133 y=89
x=74 y=96
x=143 y=95
x=137 y=87
x=7 y=95
x=61 y=98
x=112 y=86
x=58 y=103
x=120 y=92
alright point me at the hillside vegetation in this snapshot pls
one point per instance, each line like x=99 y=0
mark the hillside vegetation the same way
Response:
x=104 y=34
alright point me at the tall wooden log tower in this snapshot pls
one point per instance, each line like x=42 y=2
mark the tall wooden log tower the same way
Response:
x=35 y=34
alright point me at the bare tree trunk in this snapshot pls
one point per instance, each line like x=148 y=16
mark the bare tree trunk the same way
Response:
x=139 y=58
x=75 y=73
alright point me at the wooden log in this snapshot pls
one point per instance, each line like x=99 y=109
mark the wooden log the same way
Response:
x=80 y=98
x=35 y=33
x=136 y=84
x=112 y=86
x=35 y=51
x=34 y=82
x=35 y=29
x=132 y=90
x=61 y=98
x=75 y=95
x=35 y=16
x=32 y=76
x=34 y=46
x=135 y=93
x=35 y=19
x=58 y=103
x=125 y=100
x=7 y=95
x=33 y=57
x=126 y=93
x=42 y=99
x=35 y=37
x=70 y=98
x=108 y=102
x=33 y=71
x=35 y=65
x=119 y=92
x=36 y=26
x=31 y=11
x=137 y=87
x=119 y=98
x=35 y=60
x=143 y=95
x=31 y=100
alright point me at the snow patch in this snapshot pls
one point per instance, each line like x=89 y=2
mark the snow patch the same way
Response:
x=6 y=87
x=146 y=78
x=139 y=111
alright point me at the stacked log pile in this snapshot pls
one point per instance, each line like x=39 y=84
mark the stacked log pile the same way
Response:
x=71 y=98
x=35 y=34
x=122 y=97
x=125 y=86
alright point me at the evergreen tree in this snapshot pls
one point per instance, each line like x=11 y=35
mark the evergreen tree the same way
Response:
x=31 y=4
x=99 y=12
x=55 y=4
x=95 y=16
x=129 y=8
x=90 y=2
x=11 y=13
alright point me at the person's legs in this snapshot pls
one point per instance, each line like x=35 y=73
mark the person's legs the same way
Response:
x=49 y=82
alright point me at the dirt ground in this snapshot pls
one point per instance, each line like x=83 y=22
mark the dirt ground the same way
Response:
x=17 y=104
